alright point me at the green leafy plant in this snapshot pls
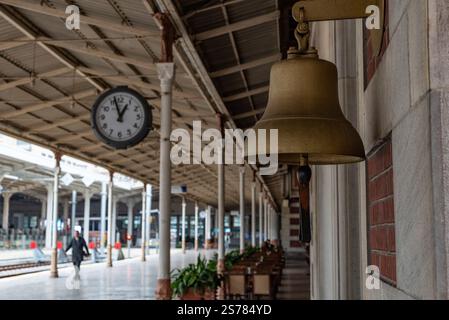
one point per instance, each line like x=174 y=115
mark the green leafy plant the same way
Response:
x=199 y=277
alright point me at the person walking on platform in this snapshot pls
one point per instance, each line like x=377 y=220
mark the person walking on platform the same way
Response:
x=77 y=245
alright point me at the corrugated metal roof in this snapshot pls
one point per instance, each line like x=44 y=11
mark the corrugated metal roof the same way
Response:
x=67 y=126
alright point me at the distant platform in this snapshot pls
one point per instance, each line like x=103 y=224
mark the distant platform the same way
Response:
x=129 y=279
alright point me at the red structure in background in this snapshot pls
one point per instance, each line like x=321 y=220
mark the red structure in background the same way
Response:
x=33 y=244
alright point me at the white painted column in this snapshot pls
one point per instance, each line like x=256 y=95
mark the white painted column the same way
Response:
x=221 y=212
x=143 y=234
x=270 y=220
x=87 y=196
x=48 y=222
x=166 y=72
x=5 y=222
x=54 y=224
x=73 y=216
x=260 y=218
x=196 y=226
x=183 y=225
x=207 y=224
x=253 y=214
x=242 y=209
x=65 y=210
x=43 y=213
x=109 y=234
x=148 y=217
x=265 y=214
x=114 y=220
x=130 y=206
x=104 y=199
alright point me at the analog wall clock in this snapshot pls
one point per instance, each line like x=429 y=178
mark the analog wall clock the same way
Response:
x=121 y=118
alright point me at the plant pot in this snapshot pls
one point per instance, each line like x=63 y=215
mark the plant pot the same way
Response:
x=193 y=295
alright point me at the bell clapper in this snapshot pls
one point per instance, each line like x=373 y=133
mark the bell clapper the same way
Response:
x=304 y=177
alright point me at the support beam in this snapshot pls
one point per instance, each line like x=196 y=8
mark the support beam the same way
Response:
x=253 y=214
x=149 y=193
x=104 y=199
x=54 y=240
x=47 y=104
x=143 y=225
x=114 y=219
x=246 y=94
x=207 y=227
x=246 y=66
x=43 y=213
x=166 y=74
x=242 y=208
x=49 y=219
x=273 y=16
x=211 y=7
x=109 y=253
x=260 y=217
x=129 y=233
x=248 y=114
x=221 y=209
x=265 y=219
x=196 y=226
x=5 y=220
x=28 y=80
x=183 y=225
x=11 y=44
x=87 y=196
x=87 y=20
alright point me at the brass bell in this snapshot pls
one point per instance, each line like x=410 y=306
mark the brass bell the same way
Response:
x=303 y=105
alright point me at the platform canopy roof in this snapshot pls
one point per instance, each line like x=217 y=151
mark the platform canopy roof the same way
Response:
x=51 y=76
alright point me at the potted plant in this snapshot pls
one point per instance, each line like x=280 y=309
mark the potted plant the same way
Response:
x=196 y=281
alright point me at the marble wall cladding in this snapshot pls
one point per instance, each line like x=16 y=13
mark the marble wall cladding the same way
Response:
x=440 y=185
x=413 y=204
x=418 y=50
x=438 y=43
x=397 y=101
x=438 y=24
x=397 y=9
x=387 y=98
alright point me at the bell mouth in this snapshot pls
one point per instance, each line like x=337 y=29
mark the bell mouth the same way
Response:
x=324 y=141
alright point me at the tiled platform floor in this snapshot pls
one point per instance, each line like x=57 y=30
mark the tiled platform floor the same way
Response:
x=127 y=279
x=295 y=283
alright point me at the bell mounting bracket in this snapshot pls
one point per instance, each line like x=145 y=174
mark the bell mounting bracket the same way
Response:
x=326 y=10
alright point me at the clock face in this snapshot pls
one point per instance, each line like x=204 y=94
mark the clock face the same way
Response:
x=121 y=118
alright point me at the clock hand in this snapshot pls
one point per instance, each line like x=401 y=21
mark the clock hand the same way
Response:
x=118 y=110
x=122 y=113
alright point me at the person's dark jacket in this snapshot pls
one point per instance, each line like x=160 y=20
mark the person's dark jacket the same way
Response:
x=77 y=249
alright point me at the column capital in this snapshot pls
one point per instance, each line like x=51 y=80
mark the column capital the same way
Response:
x=242 y=170
x=87 y=194
x=7 y=195
x=166 y=72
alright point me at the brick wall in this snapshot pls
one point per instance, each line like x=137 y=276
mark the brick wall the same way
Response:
x=371 y=60
x=381 y=221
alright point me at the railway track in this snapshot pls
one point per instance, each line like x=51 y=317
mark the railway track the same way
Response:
x=26 y=265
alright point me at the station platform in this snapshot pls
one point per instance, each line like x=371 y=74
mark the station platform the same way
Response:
x=129 y=279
